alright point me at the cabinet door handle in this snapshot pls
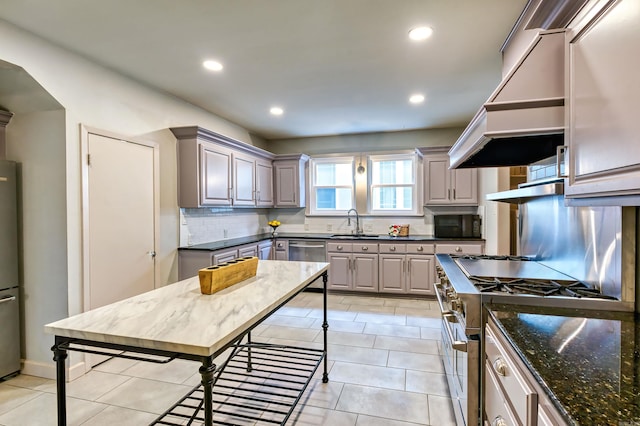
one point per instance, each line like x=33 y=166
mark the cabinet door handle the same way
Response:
x=408 y=265
x=454 y=193
x=500 y=366
x=448 y=194
x=499 y=421
x=562 y=153
x=7 y=299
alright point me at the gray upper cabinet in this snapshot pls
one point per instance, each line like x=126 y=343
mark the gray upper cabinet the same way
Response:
x=603 y=93
x=289 y=177
x=214 y=178
x=214 y=170
x=447 y=187
x=264 y=183
x=244 y=180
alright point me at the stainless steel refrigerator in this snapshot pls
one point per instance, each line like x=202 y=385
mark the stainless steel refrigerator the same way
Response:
x=9 y=289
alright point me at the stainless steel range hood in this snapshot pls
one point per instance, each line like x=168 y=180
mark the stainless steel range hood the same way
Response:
x=523 y=120
x=528 y=192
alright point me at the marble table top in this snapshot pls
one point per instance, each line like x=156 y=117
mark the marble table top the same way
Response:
x=179 y=318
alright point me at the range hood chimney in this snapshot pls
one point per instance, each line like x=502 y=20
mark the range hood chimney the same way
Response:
x=523 y=120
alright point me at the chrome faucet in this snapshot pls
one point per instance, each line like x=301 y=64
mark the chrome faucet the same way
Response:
x=358 y=230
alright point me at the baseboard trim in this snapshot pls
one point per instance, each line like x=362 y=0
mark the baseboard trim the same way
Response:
x=48 y=370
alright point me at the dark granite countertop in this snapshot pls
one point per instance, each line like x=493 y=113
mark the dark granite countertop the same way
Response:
x=588 y=362
x=216 y=245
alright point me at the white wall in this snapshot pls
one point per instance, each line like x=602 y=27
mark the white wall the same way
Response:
x=40 y=152
x=95 y=97
x=366 y=142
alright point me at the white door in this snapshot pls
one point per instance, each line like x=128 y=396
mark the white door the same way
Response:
x=121 y=216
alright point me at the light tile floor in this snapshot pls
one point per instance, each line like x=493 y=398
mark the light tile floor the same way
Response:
x=384 y=361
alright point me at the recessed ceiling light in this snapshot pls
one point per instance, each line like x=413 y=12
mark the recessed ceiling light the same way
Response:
x=276 y=111
x=416 y=99
x=212 y=65
x=420 y=33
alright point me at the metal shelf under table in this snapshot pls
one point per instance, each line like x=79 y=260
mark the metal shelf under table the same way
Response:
x=259 y=384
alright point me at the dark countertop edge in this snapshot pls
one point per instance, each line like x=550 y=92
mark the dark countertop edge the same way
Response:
x=572 y=312
x=216 y=245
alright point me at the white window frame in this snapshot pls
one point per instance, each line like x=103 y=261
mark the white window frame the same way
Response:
x=415 y=185
x=313 y=187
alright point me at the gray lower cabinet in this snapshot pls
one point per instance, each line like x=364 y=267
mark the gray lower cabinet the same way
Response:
x=460 y=248
x=281 y=249
x=265 y=250
x=248 y=251
x=191 y=261
x=406 y=268
x=353 y=266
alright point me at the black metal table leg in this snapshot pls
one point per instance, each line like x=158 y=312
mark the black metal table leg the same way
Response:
x=206 y=371
x=249 y=364
x=60 y=356
x=325 y=325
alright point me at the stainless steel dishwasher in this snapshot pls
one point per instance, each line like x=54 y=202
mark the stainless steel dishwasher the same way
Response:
x=308 y=251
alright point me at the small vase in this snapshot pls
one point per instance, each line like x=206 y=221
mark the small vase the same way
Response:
x=274 y=233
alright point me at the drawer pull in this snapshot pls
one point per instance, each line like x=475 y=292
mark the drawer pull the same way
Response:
x=339 y=247
x=500 y=366
x=365 y=248
x=499 y=421
x=420 y=248
x=393 y=248
x=458 y=249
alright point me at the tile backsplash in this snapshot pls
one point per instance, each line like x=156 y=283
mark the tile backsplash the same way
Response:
x=199 y=226
x=204 y=225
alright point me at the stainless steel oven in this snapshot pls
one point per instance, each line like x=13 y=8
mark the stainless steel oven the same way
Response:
x=460 y=355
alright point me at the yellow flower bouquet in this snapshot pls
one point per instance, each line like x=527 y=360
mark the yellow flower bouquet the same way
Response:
x=274 y=225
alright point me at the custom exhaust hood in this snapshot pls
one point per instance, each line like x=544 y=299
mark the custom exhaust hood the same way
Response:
x=523 y=120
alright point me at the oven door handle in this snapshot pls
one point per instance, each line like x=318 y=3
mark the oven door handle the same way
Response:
x=447 y=317
x=443 y=311
x=457 y=345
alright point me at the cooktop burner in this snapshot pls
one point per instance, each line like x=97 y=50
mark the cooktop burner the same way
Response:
x=536 y=287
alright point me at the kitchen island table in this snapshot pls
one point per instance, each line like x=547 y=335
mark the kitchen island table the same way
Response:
x=177 y=321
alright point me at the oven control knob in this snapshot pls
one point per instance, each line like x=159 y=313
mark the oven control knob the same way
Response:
x=456 y=305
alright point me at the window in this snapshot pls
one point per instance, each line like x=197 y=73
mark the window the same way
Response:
x=332 y=188
x=393 y=184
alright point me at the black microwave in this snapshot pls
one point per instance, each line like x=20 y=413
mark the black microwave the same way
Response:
x=456 y=226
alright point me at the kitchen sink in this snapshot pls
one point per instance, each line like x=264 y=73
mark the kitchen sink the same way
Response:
x=355 y=237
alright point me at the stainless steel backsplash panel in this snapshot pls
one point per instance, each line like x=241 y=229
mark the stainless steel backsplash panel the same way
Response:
x=583 y=242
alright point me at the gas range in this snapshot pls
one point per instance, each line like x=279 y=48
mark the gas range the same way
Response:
x=467 y=282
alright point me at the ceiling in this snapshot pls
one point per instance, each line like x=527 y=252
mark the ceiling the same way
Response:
x=334 y=66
